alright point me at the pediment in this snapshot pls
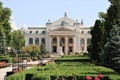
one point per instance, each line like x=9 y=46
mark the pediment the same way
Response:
x=62 y=29
x=66 y=19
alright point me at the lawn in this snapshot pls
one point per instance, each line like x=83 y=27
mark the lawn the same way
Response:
x=66 y=66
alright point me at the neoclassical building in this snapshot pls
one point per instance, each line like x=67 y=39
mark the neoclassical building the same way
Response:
x=72 y=35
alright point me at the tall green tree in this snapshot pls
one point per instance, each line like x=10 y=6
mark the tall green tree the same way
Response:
x=110 y=18
x=18 y=39
x=2 y=41
x=112 y=49
x=97 y=42
x=113 y=14
x=5 y=14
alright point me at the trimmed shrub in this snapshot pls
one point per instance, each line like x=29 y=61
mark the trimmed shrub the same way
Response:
x=16 y=77
x=6 y=59
x=41 y=77
x=53 y=77
x=28 y=76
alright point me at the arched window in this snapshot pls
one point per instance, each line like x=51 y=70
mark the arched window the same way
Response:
x=88 y=41
x=37 y=41
x=63 y=23
x=54 y=40
x=36 y=31
x=30 y=40
x=88 y=32
x=43 y=32
x=70 y=40
x=43 y=40
x=82 y=41
x=30 y=31
x=82 y=32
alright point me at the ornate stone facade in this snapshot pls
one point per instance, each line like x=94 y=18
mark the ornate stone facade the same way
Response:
x=65 y=32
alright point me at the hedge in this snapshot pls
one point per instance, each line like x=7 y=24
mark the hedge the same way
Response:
x=6 y=59
x=48 y=77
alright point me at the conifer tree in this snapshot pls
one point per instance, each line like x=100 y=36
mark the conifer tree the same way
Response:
x=113 y=13
x=112 y=48
x=97 y=40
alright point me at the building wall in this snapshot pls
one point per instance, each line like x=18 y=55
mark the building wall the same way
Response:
x=63 y=27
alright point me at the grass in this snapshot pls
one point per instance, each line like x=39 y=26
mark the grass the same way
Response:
x=69 y=65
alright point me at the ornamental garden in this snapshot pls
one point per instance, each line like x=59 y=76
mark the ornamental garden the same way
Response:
x=102 y=62
x=73 y=67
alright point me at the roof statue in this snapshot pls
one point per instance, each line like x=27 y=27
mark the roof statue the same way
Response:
x=82 y=21
x=65 y=14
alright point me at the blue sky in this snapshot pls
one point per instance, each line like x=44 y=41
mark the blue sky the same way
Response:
x=37 y=12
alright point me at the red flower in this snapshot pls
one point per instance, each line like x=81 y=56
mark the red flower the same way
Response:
x=88 y=78
x=100 y=76
x=96 y=78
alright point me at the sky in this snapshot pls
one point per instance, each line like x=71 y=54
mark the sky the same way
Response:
x=37 y=12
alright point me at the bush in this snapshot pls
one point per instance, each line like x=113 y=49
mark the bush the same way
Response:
x=16 y=77
x=41 y=77
x=6 y=59
x=34 y=58
x=28 y=76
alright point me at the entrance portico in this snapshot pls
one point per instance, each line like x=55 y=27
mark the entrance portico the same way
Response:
x=68 y=43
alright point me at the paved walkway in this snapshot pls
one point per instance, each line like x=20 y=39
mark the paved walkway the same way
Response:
x=7 y=69
x=3 y=72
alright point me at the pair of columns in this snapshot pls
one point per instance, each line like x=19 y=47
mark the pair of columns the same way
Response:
x=66 y=43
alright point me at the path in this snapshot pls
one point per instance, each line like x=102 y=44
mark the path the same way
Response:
x=7 y=69
x=3 y=72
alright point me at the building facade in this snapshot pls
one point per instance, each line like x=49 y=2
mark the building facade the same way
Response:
x=72 y=35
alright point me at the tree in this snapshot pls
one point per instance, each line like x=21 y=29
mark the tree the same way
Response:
x=42 y=49
x=32 y=50
x=113 y=14
x=102 y=16
x=35 y=50
x=5 y=14
x=97 y=43
x=110 y=18
x=27 y=49
x=17 y=39
x=112 y=49
x=2 y=41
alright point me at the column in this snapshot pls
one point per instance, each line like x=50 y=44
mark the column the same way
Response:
x=39 y=41
x=66 y=45
x=74 y=44
x=33 y=40
x=58 y=43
